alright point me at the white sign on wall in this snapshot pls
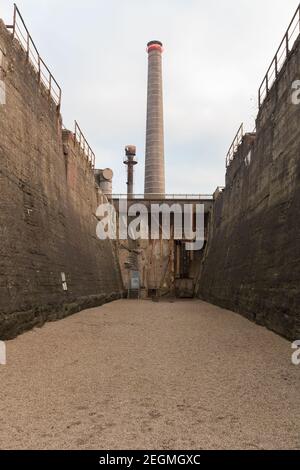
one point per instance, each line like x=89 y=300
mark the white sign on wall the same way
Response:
x=2 y=353
x=2 y=84
x=2 y=93
x=64 y=282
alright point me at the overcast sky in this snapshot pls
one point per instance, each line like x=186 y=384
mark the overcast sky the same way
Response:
x=216 y=55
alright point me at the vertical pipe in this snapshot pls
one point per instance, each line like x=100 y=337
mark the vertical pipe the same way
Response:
x=130 y=161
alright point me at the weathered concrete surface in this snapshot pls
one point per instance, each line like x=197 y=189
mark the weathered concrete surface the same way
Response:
x=137 y=374
x=47 y=208
x=252 y=263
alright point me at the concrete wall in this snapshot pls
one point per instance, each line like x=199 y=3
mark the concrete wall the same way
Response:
x=252 y=262
x=47 y=209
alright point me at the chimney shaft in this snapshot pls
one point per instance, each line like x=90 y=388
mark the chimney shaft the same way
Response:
x=130 y=161
x=154 y=162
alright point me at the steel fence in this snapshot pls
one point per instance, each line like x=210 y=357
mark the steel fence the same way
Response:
x=235 y=144
x=45 y=77
x=84 y=146
x=281 y=56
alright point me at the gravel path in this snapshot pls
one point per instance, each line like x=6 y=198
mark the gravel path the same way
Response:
x=137 y=374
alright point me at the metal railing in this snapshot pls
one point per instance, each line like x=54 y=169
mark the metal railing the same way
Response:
x=281 y=56
x=158 y=196
x=45 y=77
x=235 y=144
x=83 y=145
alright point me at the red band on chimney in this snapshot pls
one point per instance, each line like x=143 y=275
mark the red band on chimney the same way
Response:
x=155 y=47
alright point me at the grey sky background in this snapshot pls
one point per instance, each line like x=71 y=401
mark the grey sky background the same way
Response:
x=216 y=55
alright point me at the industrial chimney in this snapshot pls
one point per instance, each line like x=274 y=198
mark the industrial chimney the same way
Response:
x=155 y=164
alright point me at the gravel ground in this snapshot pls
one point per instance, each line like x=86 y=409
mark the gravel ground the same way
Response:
x=143 y=375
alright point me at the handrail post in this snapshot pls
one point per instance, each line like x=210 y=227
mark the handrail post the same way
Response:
x=75 y=133
x=15 y=19
x=28 y=46
x=39 y=72
x=50 y=84
x=59 y=99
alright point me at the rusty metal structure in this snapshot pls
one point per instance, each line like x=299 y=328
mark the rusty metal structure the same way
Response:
x=286 y=46
x=104 y=179
x=45 y=77
x=167 y=197
x=154 y=161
